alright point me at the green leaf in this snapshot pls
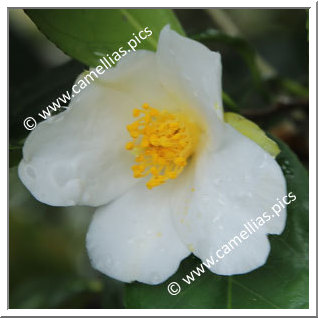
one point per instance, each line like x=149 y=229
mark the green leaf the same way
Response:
x=294 y=88
x=33 y=96
x=89 y=34
x=55 y=292
x=229 y=103
x=15 y=155
x=281 y=283
x=246 y=51
x=252 y=131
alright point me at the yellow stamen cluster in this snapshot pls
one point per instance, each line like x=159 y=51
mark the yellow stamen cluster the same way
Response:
x=162 y=142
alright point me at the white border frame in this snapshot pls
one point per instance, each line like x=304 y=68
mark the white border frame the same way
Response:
x=312 y=164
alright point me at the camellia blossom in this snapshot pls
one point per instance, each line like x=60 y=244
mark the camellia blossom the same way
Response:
x=147 y=145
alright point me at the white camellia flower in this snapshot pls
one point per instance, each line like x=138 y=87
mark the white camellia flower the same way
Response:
x=147 y=144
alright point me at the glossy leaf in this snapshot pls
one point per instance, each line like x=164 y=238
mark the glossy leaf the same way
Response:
x=281 y=283
x=252 y=131
x=35 y=95
x=89 y=34
x=246 y=51
x=229 y=103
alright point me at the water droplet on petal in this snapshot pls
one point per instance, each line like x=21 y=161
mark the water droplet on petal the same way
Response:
x=156 y=278
x=215 y=219
x=86 y=196
x=30 y=172
x=130 y=241
x=108 y=260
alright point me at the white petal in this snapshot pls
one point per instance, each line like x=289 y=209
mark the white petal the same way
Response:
x=232 y=186
x=192 y=71
x=136 y=75
x=72 y=157
x=79 y=156
x=133 y=238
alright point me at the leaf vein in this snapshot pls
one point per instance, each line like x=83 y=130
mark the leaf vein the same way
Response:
x=255 y=294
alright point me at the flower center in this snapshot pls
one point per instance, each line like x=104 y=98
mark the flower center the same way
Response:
x=162 y=142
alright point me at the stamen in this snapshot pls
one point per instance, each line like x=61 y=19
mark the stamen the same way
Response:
x=162 y=142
